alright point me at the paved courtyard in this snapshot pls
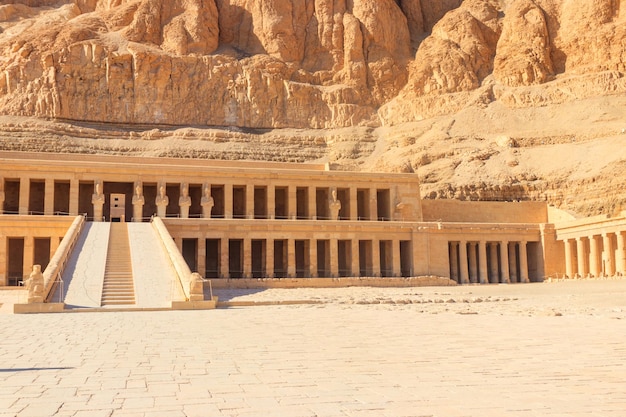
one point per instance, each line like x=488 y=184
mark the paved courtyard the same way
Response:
x=527 y=350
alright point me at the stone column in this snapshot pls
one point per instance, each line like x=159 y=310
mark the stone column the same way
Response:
x=24 y=200
x=48 y=199
x=312 y=205
x=271 y=203
x=292 y=202
x=376 y=258
x=224 y=256
x=608 y=255
x=228 y=201
x=29 y=255
x=493 y=257
x=74 y=186
x=313 y=258
x=269 y=257
x=463 y=268
x=454 y=261
x=582 y=257
x=1 y=206
x=482 y=262
x=523 y=262
x=179 y=245
x=473 y=266
x=396 y=260
x=291 y=258
x=202 y=256
x=355 y=267
x=594 y=265
x=513 y=262
x=354 y=213
x=621 y=253
x=373 y=205
x=250 y=201
x=247 y=257
x=334 y=261
x=138 y=202
x=504 y=262
x=569 y=261
x=55 y=242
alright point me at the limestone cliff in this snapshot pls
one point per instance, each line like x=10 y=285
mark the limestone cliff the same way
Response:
x=301 y=63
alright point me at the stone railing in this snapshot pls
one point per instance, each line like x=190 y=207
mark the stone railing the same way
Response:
x=191 y=283
x=57 y=264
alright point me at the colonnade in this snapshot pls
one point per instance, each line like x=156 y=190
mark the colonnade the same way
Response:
x=488 y=262
x=596 y=255
x=247 y=257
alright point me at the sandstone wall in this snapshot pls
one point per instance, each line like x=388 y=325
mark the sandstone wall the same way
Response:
x=302 y=63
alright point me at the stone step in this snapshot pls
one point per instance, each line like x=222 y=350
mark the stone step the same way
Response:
x=118 y=286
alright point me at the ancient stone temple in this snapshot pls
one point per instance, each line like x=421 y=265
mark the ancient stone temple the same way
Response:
x=299 y=224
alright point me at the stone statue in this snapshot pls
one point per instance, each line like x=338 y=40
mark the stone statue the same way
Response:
x=184 y=201
x=138 y=202
x=334 y=205
x=161 y=201
x=97 y=199
x=34 y=285
x=196 y=287
x=207 y=202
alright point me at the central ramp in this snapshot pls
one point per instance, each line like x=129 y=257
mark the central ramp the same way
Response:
x=118 y=287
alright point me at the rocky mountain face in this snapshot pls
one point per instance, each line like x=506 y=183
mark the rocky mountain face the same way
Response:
x=405 y=75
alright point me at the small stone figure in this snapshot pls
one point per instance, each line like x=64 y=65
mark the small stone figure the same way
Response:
x=97 y=199
x=34 y=285
x=138 y=202
x=161 y=201
x=184 y=201
x=334 y=205
x=196 y=287
x=206 y=202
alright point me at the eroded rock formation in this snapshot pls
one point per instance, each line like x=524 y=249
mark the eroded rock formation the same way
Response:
x=301 y=63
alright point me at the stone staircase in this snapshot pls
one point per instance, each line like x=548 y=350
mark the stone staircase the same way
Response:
x=118 y=285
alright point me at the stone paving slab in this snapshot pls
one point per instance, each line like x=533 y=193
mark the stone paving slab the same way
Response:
x=334 y=359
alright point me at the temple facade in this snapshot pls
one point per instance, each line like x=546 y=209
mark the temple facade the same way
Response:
x=259 y=220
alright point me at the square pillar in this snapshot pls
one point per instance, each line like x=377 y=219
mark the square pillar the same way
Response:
x=453 y=249
x=569 y=260
x=3 y=260
x=48 y=201
x=582 y=256
x=249 y=202
x=376 y=258
x=291 y=254
x=292 y=204
x=608 y=255
x=228 y=201
x=473 y=265
x=504 y=262
x=396 y=259
x=482 y=262
x=621 y=253
x=493 y=263
x=374 y=207
x=247 y=257
x=313 y=257
x=24 y=198
x=74 y=197
x=354 y=243
x=523 y=262
x=334 y=259
x=271 y=206
x=463 y=267
x=269 y=256
x=513 y=262
x=354 y=208
x=201 y=255
x=224 y=265
x=594 y=264
x=313 y=207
